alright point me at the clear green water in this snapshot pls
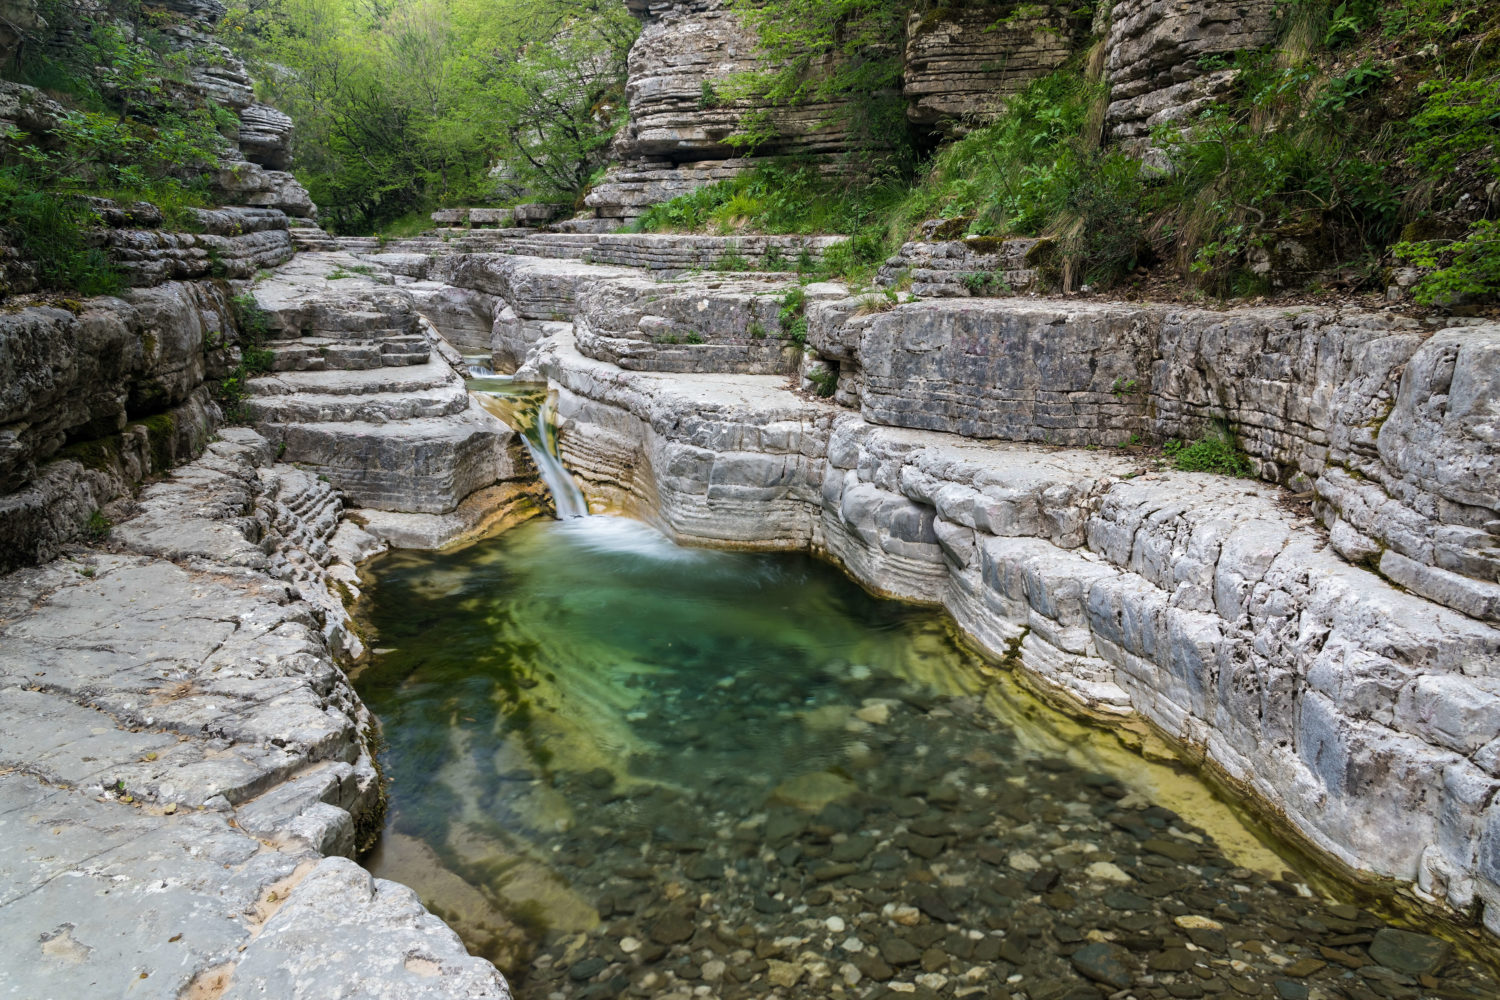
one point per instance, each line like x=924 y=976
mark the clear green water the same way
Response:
x=621 y=767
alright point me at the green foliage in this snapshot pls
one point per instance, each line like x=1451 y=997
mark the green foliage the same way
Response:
x=732 y=262
x=825 y=380
x=254 y=323
x=51 y=230
x=1011 y=177
x=98 y=527
x=823 y=48
x=1215 y=452
x=793 y=316
x=402 y=108
x=1457 y=118
x=258 y=360
x=1467 y=267
x=777 y=198
x=133 y=131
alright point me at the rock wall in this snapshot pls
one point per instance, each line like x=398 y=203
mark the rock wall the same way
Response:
x=961 y=63
x=1152 y=54
x=102 y=393
x=968 y=459
x=1307 y=394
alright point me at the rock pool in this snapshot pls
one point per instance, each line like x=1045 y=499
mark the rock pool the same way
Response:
x=622 y=767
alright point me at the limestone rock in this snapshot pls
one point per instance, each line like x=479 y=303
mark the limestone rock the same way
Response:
x=362 y=394
x=265 y=136
x=716 y=325
x=197 y=743
x=1170 y=594
x=961 y=63
x=1153 y=48
x=964 y=268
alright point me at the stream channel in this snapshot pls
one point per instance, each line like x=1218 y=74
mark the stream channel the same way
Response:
x=621 y=767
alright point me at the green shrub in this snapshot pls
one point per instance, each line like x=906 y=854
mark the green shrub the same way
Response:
x=98 y=527
x=258 y=360
x=50 y=229
x=825 y=381
x=1467 y=267
x=792 y=316
x=1215 y=452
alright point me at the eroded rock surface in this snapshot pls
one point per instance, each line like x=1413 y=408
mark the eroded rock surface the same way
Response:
x=365 y=392
x=185 y=766
x=961 y=63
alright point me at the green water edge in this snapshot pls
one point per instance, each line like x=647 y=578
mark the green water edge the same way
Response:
x=566 y=702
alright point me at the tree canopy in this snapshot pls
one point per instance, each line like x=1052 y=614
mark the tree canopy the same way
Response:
x=401 y=107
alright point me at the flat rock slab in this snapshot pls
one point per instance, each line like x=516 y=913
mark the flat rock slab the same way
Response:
x=179 y=750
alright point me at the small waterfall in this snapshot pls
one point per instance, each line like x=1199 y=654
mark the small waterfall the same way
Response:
x=479 y=366
x=526 y=408
x=566 y=496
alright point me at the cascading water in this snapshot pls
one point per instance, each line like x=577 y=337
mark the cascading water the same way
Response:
x=479 y=366
x=527 y=408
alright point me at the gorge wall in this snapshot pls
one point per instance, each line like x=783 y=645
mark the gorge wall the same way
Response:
x=957 y=65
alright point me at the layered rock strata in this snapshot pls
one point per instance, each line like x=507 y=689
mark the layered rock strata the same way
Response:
x=364 y=391
x=964 y=268
x=104 y=392
x=186 y=769
x=1153 y=54
x=1357 y=707
x=961 y=63
x=677 y=135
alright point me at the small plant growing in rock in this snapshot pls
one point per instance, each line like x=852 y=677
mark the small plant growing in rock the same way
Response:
x=825 y=380
x=693 y=337
x=1214 y=452
x=985 y=283
x=757 y=330
x=98 y=527
x=1123 y=387
x=792 y=316
x=773 y=260
x=733 y=262
x=257 y=360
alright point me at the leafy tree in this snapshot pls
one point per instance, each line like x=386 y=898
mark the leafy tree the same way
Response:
x=401 y=108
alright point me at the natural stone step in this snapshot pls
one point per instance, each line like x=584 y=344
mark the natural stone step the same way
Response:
x=325 y=354
x=422 y=464
x=430 y=374
x=963 y=268
x=378 y=408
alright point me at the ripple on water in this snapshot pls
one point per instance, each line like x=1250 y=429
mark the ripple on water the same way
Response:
x=621 y=766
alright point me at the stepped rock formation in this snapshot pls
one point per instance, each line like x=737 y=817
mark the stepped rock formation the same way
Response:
x=1153 y=52
x=1335 y=661
x=187 y=770
x=958 y=66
